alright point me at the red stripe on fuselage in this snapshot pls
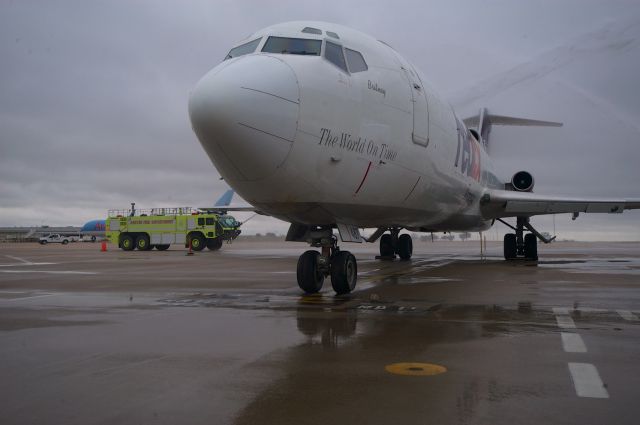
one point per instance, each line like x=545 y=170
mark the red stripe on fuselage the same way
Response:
x=364 y=178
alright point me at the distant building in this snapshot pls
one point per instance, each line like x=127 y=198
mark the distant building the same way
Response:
x=92 y=230
x=32 y=234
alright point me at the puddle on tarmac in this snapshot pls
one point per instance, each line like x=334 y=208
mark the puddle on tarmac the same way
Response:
x=629 y=266
x=421 y=280
x=255 y=301
x=495 y=319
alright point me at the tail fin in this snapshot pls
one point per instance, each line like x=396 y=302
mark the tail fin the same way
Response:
x=484 y=121
x=225 y=199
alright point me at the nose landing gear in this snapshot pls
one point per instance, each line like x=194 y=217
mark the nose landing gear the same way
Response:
x=314 y=266
x=341 y=266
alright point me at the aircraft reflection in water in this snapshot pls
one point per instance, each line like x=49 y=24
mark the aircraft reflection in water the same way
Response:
x=330 y=330
x=326 y=127
x=346 y=352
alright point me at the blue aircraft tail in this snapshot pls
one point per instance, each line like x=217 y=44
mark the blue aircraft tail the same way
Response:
x=225 y=199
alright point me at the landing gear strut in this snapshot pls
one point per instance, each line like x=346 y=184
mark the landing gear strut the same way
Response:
x=518 y=245
x=314 y=266
x=392 y=244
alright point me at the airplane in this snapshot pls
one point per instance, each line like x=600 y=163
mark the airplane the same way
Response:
x=326 y=127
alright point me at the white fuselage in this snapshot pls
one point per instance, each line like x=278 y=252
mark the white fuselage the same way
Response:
x=308 y=142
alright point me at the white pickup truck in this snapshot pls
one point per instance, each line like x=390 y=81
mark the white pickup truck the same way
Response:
x=56 y=238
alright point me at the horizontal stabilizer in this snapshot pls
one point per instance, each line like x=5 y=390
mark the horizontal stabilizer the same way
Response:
x=485 y=120
x=505 y=120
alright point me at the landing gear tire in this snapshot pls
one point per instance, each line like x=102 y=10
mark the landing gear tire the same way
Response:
x=344 y=272
x=405 y=247
x=510 y=246
x=197 y=242
x=214 y=244
x=310 y=278
x=530 y=247
x=386 y=246
x=126 y=243
x=162 y=247
x=142 y=243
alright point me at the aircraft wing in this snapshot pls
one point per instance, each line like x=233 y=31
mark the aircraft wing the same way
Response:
x=225 y=209
x=506 y=203
x=222 y=205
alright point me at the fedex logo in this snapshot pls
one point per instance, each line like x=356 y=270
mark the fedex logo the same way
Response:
x=468 y=153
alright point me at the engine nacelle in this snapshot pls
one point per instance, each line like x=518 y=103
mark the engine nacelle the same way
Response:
x=522 y=181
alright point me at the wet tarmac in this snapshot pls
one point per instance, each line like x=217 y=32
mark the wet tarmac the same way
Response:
x=90 y=337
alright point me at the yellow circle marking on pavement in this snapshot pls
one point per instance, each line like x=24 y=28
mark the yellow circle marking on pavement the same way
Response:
x=415 y=369
x=314 y=299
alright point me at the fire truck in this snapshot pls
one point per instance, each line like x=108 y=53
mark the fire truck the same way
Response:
x=159 y=228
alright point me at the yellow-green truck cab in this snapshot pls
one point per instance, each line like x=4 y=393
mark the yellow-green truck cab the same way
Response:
x=161 y=227
x=230 y=227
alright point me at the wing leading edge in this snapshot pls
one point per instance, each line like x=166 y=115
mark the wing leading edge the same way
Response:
x=504 y=203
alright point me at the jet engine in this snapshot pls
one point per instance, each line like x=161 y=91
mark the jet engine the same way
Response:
x=522 y=181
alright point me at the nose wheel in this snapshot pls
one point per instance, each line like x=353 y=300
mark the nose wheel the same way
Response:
x=344 y=272
x=314 y=266
x=310 y=277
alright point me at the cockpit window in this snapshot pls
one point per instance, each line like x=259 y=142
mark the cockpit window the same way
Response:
x=356 y=61
x=311 y=30
x=243 y=49
x=333 y=34
x=293 y=46
x=333 y=53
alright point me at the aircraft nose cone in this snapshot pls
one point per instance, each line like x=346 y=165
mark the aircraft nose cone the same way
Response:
x=245 y=114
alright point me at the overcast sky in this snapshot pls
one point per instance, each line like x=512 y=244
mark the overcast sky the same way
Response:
x=93 y=95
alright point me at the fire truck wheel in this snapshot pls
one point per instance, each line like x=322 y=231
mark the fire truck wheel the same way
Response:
x=142 y=243
x=214 y=244
x=126 y=243
x=197 y=241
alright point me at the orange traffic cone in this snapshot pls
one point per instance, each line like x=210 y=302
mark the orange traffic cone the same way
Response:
x=103 y=247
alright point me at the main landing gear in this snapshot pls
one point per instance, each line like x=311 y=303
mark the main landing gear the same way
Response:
x=391 y=245
x=518 y=245
x=314 y=266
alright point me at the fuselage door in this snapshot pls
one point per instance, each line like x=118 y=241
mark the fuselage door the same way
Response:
x=420 y=110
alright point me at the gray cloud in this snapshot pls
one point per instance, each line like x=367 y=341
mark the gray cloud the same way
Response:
x=93 y=105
